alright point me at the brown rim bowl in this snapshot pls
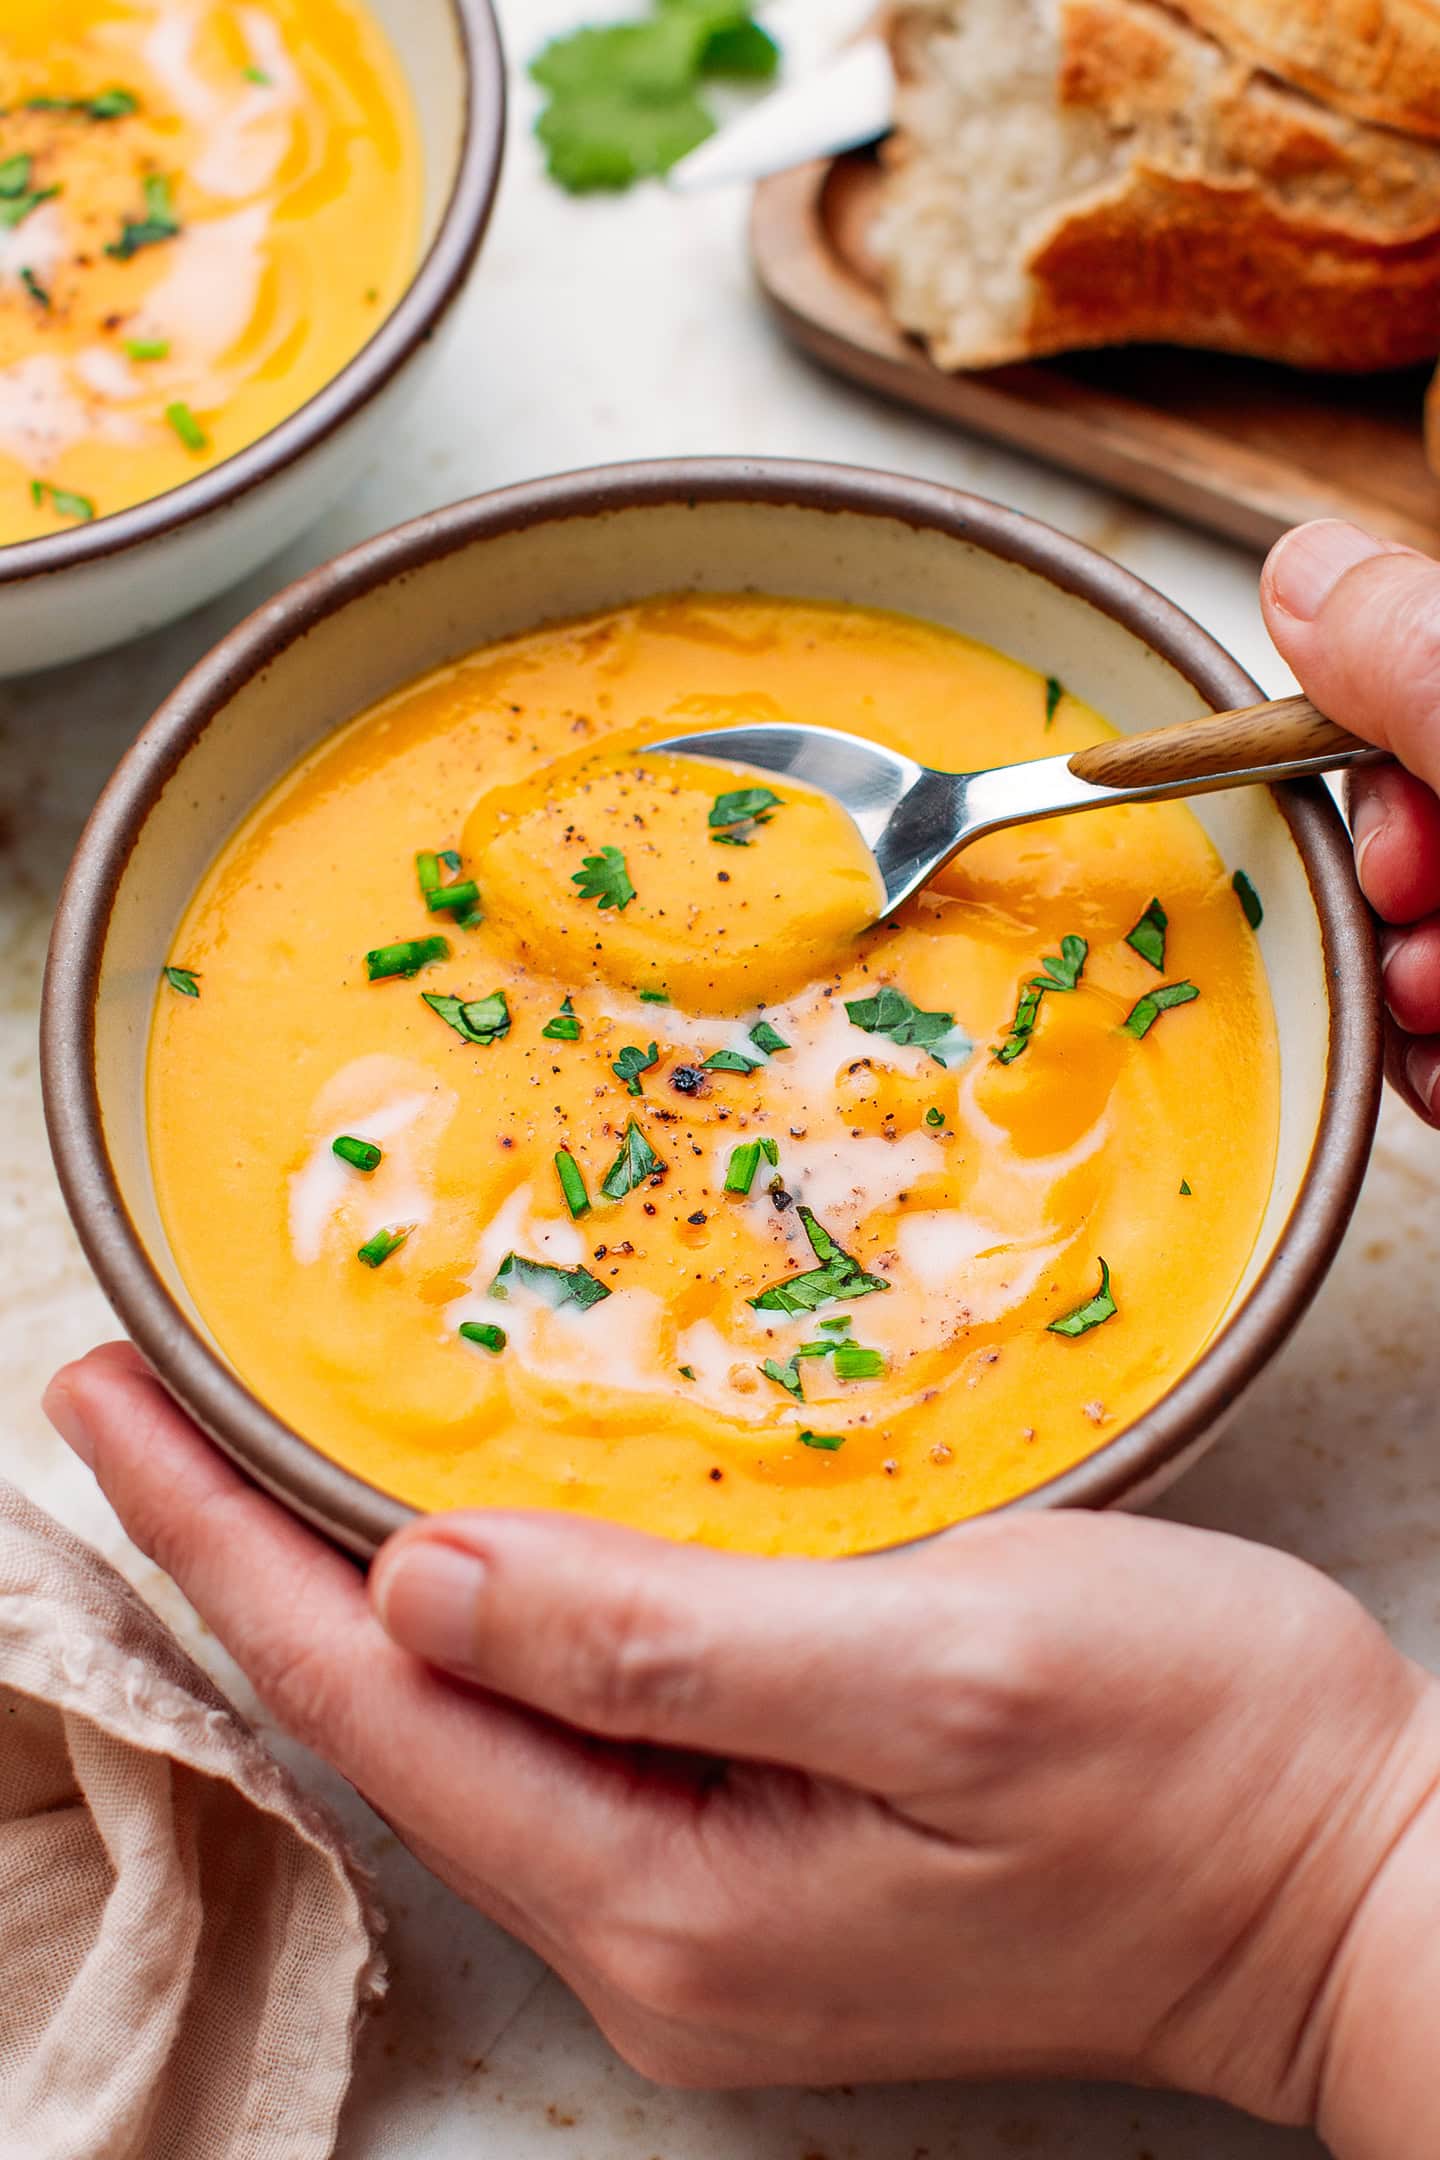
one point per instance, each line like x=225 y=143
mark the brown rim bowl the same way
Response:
x=425 y=594
x=93 y=586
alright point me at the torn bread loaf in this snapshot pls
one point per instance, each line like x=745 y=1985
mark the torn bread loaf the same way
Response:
x=1255 y=176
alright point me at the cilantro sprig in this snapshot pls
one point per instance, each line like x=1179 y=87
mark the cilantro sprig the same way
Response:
x=476 y=1020
x=605 y=878
x=553 y=1286
x=1062 y=972
x=1148 y=936
x=837 y=1276
x=1147 y=1010
x=1092 y=1314
x=636 y=1162
x=890 y=1012
x=734 y=817
x=633 y=1061
x=159 y=223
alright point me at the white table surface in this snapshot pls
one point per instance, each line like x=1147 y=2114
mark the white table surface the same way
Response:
x=594 y=331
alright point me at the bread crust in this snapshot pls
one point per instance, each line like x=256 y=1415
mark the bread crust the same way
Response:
x=1376 y=60
x=1219 y=208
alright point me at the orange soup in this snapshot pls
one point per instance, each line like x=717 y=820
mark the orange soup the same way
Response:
x=539 y=1120
x=206 y=208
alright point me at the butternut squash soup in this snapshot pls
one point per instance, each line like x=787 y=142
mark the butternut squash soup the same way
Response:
x=540 y=1121
x=206 y=208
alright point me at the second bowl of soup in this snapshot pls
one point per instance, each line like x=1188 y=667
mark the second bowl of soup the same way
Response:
x=465 y=1104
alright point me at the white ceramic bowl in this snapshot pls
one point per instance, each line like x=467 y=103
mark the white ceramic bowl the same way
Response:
x=78 y=591
x=417 y=598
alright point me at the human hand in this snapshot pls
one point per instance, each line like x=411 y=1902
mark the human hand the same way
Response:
x=1052 y=1794
x=1358 y=619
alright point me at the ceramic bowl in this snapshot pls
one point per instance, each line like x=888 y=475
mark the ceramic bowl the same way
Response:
x=431 y=591
x=91 y=586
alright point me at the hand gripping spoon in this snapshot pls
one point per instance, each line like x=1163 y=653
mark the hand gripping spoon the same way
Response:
x=913 y=818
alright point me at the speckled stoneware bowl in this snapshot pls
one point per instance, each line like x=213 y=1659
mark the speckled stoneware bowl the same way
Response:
x=430 y=592
x=91 y=586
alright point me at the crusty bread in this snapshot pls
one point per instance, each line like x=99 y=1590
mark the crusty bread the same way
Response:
x=1070 y=173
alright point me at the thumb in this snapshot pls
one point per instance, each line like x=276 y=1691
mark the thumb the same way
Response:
x=1358 y=619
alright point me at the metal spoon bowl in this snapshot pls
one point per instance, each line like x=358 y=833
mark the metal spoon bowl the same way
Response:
x=914 y=818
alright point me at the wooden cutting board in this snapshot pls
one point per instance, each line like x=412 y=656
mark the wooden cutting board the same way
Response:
x=1243 y=447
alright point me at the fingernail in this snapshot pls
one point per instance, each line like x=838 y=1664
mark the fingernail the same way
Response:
x=1422 y=1070
x=427 y=1596
x=1366 y=826
x=1307 y=564
x=64 y=1414
x=1390 y=944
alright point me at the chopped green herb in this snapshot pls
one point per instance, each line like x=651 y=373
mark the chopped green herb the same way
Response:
x=14 y=209
x=1054 y=691
x=147 y=348
x=185 y=980
x=730 y=1061
x=605 y=878
x=838 y=1276
x=890 y=1012
x=854 y=1363
x=572 y=1184
x=1096 y=1310
x=554 y=1286
x=631 y=1062
x=744 y=1162
x=838 y=1326
x=109 y=105
x=635 y=1162
x=477 y=1020
x=35 y=289
x=63 y=502
x=731 y=839
x=427 y=872
x=258 y=75
x=461 y=898
x=564 y=1027
x=187 y=427
x=159 y=223
x=406 y=958
x=742 y=50
x=1185 y=1192
x=451 y=860
x=360 y=1154
x=765 y=1038
x=15 y=176
x=786 y=1376
x=377 y=1250
x=485 y=1333
x=1249 y=899
x=934 y=1117
x=771 y=1151
x=1143 y=1015
x=654 y=997
x=1148 y=935
x=830 y=1441
x=1062 y=972
x=687 y=1372
x=743 y=806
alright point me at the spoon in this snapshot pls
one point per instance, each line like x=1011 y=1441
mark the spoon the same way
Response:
x=914 y=818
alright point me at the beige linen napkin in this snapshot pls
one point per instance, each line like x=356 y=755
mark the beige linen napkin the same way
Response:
x=185 y=1944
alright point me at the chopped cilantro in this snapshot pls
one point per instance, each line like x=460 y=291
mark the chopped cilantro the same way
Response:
x=1096 y=1310
x=838 y=1276
x=15 y=176
x=564 y=1027
x=1062 y=972
x=38 y=292
x=934 y=1117
x=1054 y=691
x=730 y=1061
x=654 y=997
x=477 y=1020
x=1143 y=1015
x=159 y=223
x=890 y=1012
x=377 y=1250
x=360 y=1154
x=63 y=502
x=1185 y=1192
x=786 y=1376
x=765 y=1038
x=554 y=1286
x=631 y=1062
x=485 y=1333
x=183 y=979
x=258 y=75
x=635 y=1162
x=770 y=1149
x=1249 y=899
x=854 y=1363
x=406 y=958
x=830 y=1441
x=147 y=348
x=743 y=806
x=687 y=1372
x=16 y=207
x=109 y=105
x=1148 y=935
x=605 y=878
x=572 y=1184
x=187 y=427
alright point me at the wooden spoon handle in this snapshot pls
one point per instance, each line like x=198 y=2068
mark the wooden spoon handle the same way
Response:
x=1283 y=733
